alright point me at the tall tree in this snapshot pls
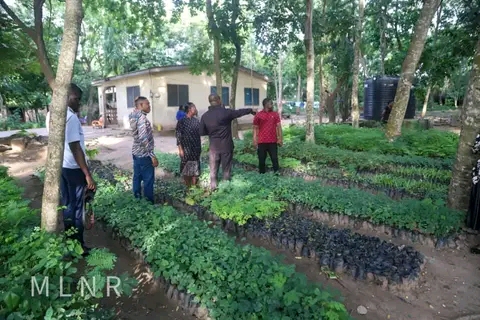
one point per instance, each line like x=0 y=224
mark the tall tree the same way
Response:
x=310 y=134
x=394 y=125
x=36 y=34
x=460 y=185
x=232 y=33
x=356 y=65
x=56 y=139
x=215 y=34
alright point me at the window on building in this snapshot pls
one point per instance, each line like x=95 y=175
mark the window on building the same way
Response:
x=132 y=93
x=225 y=94
x=251 y=97
x=177 y=94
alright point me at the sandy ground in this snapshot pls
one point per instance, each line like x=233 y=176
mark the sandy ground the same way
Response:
x=450 y=286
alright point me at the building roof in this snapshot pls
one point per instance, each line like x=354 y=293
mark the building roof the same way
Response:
x=170 y=68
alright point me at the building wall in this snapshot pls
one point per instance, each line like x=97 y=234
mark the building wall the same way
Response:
x=121 y=85
x=154 y=87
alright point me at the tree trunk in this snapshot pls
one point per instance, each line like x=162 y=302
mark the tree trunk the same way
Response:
x=215 y=35
x=310 y=134
x=331 y=100
x=356 y=66
x=236 y=68
x=56 y=138
x=425 y=102
x=275 y=82
x=90 y=103
x=323 y=91
x=461 y=183
x=321 y=75
x=394 y=125
x=280 y=87
x=383 y=40
x=299 y=87
x=455 y=102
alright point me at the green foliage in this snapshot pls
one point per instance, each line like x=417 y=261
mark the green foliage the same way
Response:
x=427 y=216
x=400 y=182
x=31 y=256
x=425 y=143
x=92 y=153
x=14 y=122
x=256 y=201
x=40 y=173
x=336 y=157
x=231 y=281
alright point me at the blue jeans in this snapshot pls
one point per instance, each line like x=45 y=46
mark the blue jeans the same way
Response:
x=143 y=170
x=73 y=185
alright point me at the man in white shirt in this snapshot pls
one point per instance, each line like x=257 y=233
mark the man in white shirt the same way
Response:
x=76 y=177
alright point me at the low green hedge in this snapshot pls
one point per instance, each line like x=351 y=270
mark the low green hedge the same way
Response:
x=231 y=281
x=426 y=216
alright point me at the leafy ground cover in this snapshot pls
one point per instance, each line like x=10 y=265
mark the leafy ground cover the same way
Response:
x=231 y=281
x=394 y=185
x=413 y=142
x=426 y=216
x=372 y=169
x=364 y=257
x=359 y=160
x=28 y=253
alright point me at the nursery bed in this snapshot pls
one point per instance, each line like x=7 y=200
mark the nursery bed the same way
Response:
x=363 y=257
x=425 y=221
x=206 y=263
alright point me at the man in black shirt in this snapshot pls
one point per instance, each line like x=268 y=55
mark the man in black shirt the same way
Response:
x=216 y=123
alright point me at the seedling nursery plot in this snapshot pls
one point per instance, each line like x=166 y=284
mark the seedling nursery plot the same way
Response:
x=251 y=195
x=395 y=174
x=260 y=215
x=206 y=269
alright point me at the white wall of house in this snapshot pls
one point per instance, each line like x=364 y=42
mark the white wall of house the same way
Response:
x=155 y=88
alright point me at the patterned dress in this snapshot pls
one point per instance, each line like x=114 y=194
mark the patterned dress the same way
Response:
x=188 y=137
x=473 y=218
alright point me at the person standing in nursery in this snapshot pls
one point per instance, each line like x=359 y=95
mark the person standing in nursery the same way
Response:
x=144 y=159
x=76 y=177
x=181 y=113
x=189 y=145
x=267 y=135
x=216 y=123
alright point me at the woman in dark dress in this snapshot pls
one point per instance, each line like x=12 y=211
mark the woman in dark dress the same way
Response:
x=189 y=145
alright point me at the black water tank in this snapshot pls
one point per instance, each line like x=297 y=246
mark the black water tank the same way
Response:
x=380 y=93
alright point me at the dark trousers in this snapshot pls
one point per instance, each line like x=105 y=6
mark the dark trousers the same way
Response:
x=143 y=170
x=272 y=150
x=72 y=187
x=225 y=160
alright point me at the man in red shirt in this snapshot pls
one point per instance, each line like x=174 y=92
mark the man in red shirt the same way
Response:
x=267 y=135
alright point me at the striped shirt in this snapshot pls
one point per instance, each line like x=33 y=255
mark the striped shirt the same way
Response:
x=143 y=143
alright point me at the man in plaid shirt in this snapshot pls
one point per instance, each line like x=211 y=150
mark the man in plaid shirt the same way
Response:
x=144 y=159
